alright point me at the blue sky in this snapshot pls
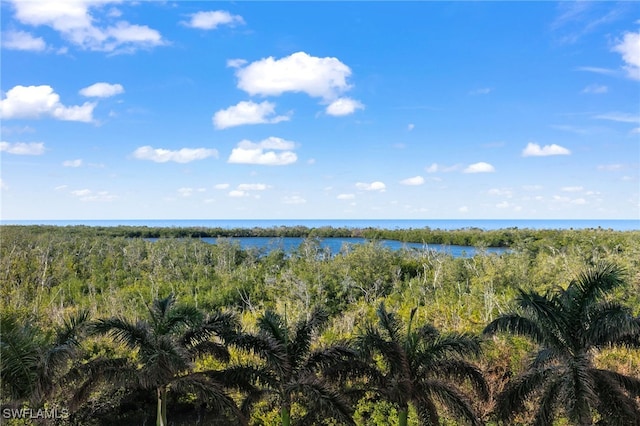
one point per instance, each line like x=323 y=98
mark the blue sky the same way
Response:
x=333 y=110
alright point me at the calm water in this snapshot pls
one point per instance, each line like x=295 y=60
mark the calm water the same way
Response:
x=486 y=224
x=335 y=245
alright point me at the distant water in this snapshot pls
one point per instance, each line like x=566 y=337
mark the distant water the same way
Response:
x=335 y=245
x=446 y=224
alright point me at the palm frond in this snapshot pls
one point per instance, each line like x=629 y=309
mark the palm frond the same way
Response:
x=323 y=401
x=301 y=341
x=452 y=344
x=21 y=357
x=548 y=402
x=71 y=328
x=200 y=385
x=514 y=323
x=389 y=322
x=546 y=311
x=453 y=399
x=272 y=324
x=84 y=379
x=617 y=397
x=133 y=335
x=266 y=347
x=217 y=350
x=609 y=324
x=581 y=390
x=511 y=400
x=324 y=358
x=461 y=371
x=426 y=410
x=595 y=282
x=183 y=316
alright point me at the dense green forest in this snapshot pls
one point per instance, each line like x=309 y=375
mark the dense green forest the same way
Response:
x=104 y=326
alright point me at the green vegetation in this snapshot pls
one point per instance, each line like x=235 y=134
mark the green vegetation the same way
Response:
x=118 y=329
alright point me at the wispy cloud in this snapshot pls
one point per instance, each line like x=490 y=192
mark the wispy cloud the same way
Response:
x=247 y=112
x=621 y=117
x=481 y=91
x=21 y=40
x=184 y=155
x=22 y=148
x=595 y=89
x=72 y=163
x=413 y=181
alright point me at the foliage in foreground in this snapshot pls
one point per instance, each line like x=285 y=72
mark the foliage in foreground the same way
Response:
x=51 y=275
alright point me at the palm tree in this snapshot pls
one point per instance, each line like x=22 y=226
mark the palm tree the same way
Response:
x=421 y=367
x=167 y=346
x=570 y=326
x=290 y=371
x=33 y=361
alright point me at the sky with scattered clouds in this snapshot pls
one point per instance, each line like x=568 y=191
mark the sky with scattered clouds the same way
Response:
x=319 y=110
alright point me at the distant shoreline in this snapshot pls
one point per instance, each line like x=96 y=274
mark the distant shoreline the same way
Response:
x=389 y=224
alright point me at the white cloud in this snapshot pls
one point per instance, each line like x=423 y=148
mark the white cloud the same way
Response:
x=373 y=186
x=184 y=155
x=611 y=167
x=595 y=89
x=72 y=163
x=89 y=195
x=252 y=187
x=500 y=192
x=482 y=91
x=102 y=90
x=435 y=168
x=532 y=187
x=221 y=186
x=629 y=48
x=480 y=167
x=572 y=189
x=567 y=200
x=248 y=152
x=3 y=185
x=413 y=181
x=324 y=78
x=343 y=106
x=503 y=205
x=21 y=40
x=293 y=199
x=22 y=148
x=236 y=63
x=211 y=20
x=597 y=70
x=247 y=112
x=346 y=196
x=411 y=126
x=237 y=194
x=622 y=117
x=37 y=101
x=75 y=21
x=463 y=209
x=535 y=150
